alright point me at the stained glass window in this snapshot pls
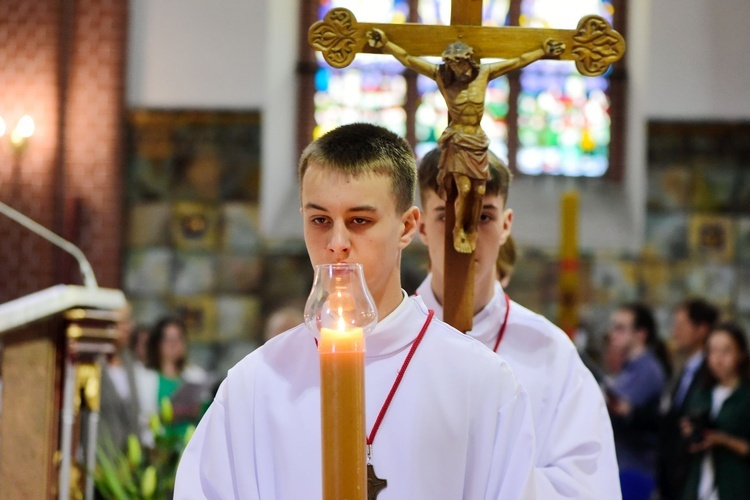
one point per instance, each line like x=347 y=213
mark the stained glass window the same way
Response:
x=561 y=121
x=372 y=88
x=563 y=117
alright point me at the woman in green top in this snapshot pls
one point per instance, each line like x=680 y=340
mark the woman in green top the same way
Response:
x=719 y=426
x=167 y=352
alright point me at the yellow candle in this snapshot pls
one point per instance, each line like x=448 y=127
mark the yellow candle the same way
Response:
x=343 y=339
x=569 y=225
x=342 y=400
x=569 y=263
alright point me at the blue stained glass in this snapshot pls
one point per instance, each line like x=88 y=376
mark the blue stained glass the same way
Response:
x=321 y=80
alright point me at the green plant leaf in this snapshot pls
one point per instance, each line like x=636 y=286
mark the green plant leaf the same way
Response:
x=110 y=477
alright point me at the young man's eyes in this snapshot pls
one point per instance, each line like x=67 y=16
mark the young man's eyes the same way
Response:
x=437 y=214
x=354 y=221
x=484 y=217
x=318 y=221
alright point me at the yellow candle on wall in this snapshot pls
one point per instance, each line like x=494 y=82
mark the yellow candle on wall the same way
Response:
x=569 y=298
x=569 y=224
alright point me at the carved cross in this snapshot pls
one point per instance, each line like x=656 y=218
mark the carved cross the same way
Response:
x=593 y=45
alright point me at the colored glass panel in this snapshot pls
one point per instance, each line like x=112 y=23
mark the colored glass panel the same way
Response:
x=563 y=117
x=372 y=89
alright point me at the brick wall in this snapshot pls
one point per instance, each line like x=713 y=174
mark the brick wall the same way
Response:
x=63 y=64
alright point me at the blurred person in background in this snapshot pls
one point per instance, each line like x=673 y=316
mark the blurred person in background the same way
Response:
x=692 y=321
x=125 y=388
x=717 y=425
x=138 y=342
x=633 y=396
x=184 y=385
x=282 y=319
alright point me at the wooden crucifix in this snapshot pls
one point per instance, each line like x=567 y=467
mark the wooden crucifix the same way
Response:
x=462 y=81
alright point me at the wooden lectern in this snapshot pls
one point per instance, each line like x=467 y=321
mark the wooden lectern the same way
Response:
x=52 y=344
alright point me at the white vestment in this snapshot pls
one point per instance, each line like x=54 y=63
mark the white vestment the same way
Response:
x=575 y=446
x=459 y=426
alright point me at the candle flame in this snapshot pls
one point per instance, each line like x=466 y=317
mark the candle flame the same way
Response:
x=342 y=323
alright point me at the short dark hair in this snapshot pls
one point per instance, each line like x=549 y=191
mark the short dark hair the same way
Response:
x=498 y=184
x=700 y=312
x=362 y=148
x=644 y=319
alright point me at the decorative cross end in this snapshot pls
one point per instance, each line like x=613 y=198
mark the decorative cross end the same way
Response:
x=596 y=45
x=334 y=36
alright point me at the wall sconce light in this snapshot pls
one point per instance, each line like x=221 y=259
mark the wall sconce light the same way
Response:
x=19 y=137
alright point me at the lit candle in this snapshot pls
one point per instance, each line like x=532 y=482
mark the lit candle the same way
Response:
x=342 y=400
x=342 y=339
x=341 y=310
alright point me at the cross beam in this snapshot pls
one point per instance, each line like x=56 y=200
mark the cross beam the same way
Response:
x=593 y=45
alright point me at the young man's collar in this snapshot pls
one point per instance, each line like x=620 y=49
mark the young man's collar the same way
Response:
x=393 y=314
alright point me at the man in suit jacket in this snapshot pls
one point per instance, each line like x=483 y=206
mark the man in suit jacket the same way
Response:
x=692 y=322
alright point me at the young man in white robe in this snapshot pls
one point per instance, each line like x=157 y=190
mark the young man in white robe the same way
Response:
x=459 y=425
x=575 y=456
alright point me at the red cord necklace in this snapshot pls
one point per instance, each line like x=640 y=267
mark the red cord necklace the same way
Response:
x=374 y=483
x=505 y=323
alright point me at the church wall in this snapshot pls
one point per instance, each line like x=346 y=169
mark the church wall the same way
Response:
x=65 y=68
x=698 y=66
x=197 y=54
x=28 y=71
x=93 y=139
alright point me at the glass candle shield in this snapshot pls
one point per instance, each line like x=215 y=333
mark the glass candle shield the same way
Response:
x=340 y=308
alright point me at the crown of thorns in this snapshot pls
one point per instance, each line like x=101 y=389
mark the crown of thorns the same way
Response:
x=458 y=50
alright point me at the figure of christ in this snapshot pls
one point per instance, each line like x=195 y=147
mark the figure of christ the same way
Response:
x=463 y=160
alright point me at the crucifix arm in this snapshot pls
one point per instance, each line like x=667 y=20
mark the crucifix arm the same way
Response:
x=550 y=48
x=378 y=38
